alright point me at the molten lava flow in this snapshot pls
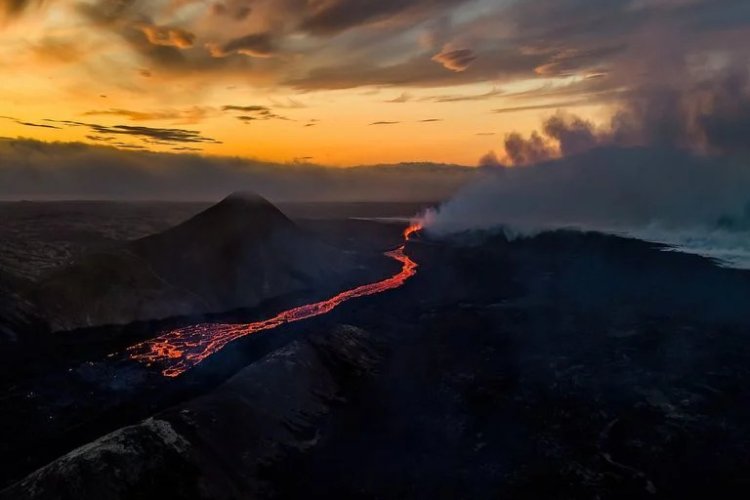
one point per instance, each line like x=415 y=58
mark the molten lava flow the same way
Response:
x=181 y=349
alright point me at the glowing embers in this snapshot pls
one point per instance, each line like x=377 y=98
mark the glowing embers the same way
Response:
x=181 y=349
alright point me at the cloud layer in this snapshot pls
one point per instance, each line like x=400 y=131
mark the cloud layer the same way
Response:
x=349 y=43
x=37 y=170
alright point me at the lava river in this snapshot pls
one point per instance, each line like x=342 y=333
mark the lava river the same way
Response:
x=180 y=349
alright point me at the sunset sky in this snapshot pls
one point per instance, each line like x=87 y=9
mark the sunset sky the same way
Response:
x=345 y=82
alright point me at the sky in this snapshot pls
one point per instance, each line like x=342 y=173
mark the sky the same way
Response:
x=342 y=82
x=351 y=82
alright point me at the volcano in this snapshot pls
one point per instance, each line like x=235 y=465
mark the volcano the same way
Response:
x=236 y=254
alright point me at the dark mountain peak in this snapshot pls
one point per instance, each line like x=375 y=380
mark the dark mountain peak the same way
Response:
x=249 y=197
x=243 y=214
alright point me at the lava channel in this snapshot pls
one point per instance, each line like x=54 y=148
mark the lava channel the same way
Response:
x=180 y=349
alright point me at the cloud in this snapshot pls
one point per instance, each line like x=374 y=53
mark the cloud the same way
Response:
x=30 y=124
x=287 y=103
x=467 y=97
x=259 y=45
x=13 y=8
x=254 y=112
x=490 y=160
x=404 y=97
x=38 y=170
x=384 y=123
x=167 y=36
x=189 y=115
x=457 y=60
x=538 y=107
x=335 y=16
x=238 y=10
x=146 y=134
x=711 y=116
x=167 y=135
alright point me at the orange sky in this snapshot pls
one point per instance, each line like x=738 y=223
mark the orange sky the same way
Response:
x=179 y=64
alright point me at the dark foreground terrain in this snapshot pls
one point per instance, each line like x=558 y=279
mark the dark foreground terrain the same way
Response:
x=567 y=366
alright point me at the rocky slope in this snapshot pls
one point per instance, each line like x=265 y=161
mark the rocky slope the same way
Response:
x=216 y=446
x=235 y=254
x=17 y=315
x=567 y=366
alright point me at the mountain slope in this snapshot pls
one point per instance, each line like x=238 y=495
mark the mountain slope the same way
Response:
x=234 y=254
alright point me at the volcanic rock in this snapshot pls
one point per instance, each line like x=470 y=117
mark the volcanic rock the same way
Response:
x=216 y=446
x=235 y=254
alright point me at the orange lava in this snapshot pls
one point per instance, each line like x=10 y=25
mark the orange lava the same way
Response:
x=181 y=349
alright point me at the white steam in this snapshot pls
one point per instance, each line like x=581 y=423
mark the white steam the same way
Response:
x=693 y=203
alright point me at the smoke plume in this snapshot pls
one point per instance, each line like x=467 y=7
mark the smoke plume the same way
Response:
x=697 y=203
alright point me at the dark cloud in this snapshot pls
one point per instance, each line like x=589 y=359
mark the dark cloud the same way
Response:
x=246 y=109
x=29 y=124
x=385 y=123
x=253 y=113
x=167 y=135
x=38 y=170
x=334 y=16
x=168 y=48
x=99 y=138
x=164 y=135
x=490 y=160
x=40 y=125
x=431 y=120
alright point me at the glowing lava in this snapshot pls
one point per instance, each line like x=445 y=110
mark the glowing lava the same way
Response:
x=183 y=348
